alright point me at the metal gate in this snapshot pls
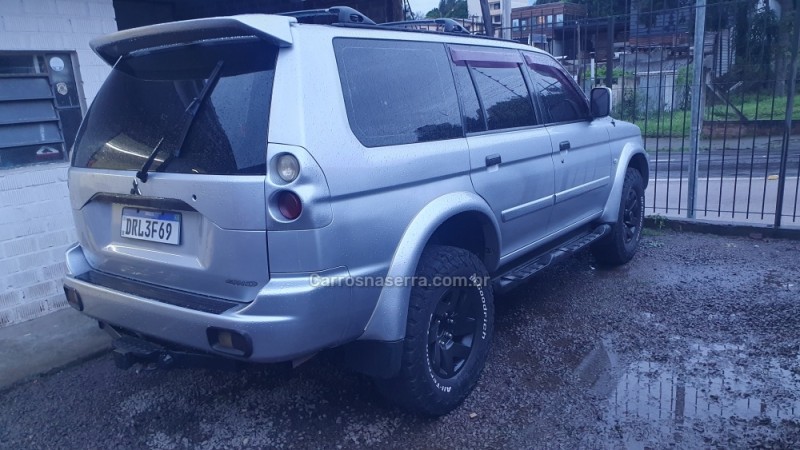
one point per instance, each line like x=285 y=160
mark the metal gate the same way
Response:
x=712 y=88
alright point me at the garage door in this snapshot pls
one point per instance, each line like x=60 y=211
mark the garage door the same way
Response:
x=39 y=108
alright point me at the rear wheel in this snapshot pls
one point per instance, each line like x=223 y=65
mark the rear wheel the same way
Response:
x=448 y=332
x=620 y=245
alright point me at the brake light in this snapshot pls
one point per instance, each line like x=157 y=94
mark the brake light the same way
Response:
x=289 y=205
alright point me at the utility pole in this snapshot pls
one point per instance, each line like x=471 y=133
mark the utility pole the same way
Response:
x=697 y=104
x=487 y=18
x=506 y=5
x=787 y=130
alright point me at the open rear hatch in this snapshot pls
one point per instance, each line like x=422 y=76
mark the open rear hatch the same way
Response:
x=167 y=182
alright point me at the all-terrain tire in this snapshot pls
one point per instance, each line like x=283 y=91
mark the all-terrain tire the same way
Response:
x=439 y=367
x=619 y=246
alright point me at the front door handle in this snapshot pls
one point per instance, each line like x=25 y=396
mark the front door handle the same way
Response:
x=493 y=160
x=563 y=148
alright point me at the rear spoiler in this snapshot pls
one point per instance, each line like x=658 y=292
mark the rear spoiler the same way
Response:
x=274 y=29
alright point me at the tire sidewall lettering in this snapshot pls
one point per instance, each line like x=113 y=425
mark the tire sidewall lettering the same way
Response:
x=484 y=334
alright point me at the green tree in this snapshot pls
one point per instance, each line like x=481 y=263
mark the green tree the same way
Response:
x=449 y=8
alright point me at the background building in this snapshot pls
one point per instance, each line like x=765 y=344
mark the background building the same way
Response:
x=551 y=26
x=495 y=9
x=48 y=78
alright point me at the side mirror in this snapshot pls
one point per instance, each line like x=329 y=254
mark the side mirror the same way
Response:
x=600 y=102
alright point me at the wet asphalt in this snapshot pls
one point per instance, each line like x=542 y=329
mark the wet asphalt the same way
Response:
x=694 y=344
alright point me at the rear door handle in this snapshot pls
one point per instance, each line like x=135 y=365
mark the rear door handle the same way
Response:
x=493 y=160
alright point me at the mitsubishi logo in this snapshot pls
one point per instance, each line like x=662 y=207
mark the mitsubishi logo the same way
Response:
x=135 y=188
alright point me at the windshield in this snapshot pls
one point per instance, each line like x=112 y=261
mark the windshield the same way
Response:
x=145 y=99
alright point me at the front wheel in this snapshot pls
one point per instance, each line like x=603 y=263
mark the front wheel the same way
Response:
x=448 y=332
x=620 y=245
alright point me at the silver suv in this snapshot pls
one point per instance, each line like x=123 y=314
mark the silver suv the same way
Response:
x=264 y=187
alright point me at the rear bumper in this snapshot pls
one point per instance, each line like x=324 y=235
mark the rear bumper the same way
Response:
x=290 y=318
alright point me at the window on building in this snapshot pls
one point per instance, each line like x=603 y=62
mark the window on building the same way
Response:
x=397 y=92
x=549 y=19
x=515 y=24
x=523 y=23
x=559 y=18
x=40 y=108
x=496 y=5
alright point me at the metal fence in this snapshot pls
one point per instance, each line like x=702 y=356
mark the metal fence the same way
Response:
x=721 y=135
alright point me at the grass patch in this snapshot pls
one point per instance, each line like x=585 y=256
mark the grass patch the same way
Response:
x=676 y=124
x=679 y=122
x=755 y=108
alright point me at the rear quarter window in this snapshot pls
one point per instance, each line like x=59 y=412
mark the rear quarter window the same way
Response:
x=397 y=92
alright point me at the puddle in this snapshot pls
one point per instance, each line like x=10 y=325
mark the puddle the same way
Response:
x=720 y=386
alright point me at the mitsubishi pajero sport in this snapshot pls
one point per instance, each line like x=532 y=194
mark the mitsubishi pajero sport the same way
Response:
x=266 y=187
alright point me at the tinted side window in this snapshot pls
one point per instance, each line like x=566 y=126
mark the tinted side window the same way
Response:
x=505 y=96
x=471 y=108
x=397 y=92
x=560 y=97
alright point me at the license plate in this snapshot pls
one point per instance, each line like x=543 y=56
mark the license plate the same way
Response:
x=154 y=226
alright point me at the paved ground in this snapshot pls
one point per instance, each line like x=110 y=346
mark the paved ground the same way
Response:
x=43 y=344
x=693 y=344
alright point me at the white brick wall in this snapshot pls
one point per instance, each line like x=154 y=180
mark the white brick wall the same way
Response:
x=35 y=229
x=36 y=224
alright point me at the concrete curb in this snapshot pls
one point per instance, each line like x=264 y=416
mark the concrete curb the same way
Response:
x=48 y=343
x=723 y=229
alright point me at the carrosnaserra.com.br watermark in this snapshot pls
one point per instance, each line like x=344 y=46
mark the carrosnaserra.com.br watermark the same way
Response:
x=370 y=281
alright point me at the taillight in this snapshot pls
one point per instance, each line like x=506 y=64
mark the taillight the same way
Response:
x=289 y=205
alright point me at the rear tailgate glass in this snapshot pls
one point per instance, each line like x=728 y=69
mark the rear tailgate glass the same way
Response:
x=146 y=96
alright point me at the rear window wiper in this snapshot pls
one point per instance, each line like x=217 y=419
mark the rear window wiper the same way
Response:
x=189 y=115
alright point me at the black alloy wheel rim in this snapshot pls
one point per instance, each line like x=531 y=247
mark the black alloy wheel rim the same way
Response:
x=452 y=331
x=632 y=215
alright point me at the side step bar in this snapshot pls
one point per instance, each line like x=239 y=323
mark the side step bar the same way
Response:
x=520 y=273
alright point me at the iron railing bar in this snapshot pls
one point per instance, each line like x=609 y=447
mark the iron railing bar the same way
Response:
x=752 y=156
x=646 y=116
x=669 y=140
x=736 y=167
x=769 y=149
x=722 y=162
x=796 y=191
x=659 y=111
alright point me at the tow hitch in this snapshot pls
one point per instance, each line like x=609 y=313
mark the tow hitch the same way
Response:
x=129 y=351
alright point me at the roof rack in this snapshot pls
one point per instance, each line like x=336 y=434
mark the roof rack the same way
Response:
x=336 y=14
x=440 y=25
x=349 y=17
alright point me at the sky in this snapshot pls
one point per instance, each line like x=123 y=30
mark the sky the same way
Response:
x=423 y=5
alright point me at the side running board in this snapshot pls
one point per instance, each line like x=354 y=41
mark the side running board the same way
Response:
x=518 y=274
